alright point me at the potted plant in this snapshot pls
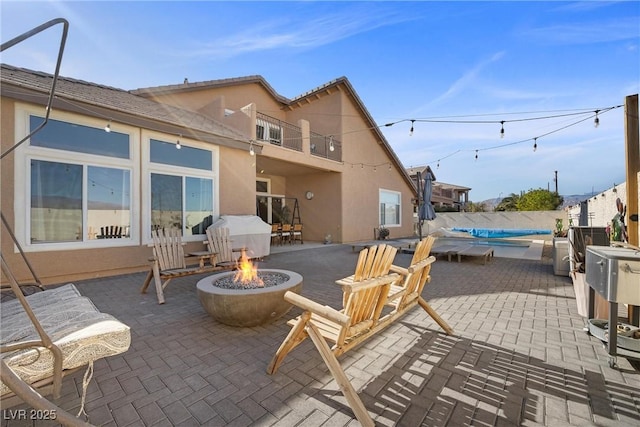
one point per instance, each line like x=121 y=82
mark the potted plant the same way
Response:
x=383 y=232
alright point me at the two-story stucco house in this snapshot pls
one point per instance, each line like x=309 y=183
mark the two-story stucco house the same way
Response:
x=180 y=156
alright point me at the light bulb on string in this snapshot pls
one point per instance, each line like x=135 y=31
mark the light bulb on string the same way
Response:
x=502 y=129
x=535 y=144
x=107 y=128
x=476 y=154
x=389 y=166
x=251 y=152
x=374 y=168
x=438 y=165
x=411 y=130
x=178 y=146
x=331 y=147
x=596 y=120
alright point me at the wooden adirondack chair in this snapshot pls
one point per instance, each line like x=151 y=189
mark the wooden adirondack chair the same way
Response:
x=407 y=293
x=219 y=242
x=364 y=297
x=169 y=261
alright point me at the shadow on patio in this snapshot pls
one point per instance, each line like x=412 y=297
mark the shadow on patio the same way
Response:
x=519 y=357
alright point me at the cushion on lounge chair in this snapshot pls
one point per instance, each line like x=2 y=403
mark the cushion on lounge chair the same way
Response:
x=73 y=323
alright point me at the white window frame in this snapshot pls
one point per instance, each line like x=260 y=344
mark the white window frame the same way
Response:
x=382 y=191
x=22 y=178
x=148 y=168
x=267 y=127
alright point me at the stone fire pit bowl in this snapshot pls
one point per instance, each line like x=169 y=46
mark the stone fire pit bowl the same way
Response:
x=247 y=307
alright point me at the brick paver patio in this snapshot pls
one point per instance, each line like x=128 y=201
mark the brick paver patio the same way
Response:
x=520 y=356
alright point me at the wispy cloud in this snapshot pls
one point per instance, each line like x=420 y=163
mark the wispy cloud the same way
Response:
x=465 y=81
x=587 y=32
x=300 y=34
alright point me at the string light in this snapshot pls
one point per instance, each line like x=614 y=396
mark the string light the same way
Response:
x=411 y=130
x=438 y=165
x=331 y=147
x=448 y=120
x=178 y=146
x=535 y=144
x=251 y=152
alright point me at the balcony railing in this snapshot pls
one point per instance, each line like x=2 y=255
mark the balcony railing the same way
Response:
x=325 y=146
x=277 y=132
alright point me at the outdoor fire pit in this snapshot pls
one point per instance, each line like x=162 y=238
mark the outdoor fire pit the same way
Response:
x=248 y=296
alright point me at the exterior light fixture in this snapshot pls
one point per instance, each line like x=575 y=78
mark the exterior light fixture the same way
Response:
x=178 y=146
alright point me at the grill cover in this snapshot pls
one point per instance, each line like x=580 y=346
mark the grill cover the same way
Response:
x=247 y=231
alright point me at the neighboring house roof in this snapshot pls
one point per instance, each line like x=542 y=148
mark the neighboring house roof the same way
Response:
x=114 y=104
x=424 y=170
x=412 y=171
x=286 y=102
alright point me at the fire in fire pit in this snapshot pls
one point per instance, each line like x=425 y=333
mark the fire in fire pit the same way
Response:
x=247 y=273
x=247 y=276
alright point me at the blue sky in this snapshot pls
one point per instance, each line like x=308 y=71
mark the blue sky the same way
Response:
x=425 y=61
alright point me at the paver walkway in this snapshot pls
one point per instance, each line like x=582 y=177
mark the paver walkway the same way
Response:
x=519 y=357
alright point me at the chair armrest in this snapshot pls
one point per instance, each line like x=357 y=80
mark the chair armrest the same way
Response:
x=317 y=309
x=367 y=283
x=399 y=270
x=422 y=264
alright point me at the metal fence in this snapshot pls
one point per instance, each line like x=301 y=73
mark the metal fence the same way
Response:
x=326 y=146
x=277 y=132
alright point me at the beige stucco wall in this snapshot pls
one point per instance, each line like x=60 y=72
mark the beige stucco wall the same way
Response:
x=346 y=202
x=226 y=97
x=237 y=182
x=237 y=196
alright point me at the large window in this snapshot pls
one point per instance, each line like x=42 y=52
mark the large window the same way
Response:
x=182 y=187
x=77 y=185
x=390 y=202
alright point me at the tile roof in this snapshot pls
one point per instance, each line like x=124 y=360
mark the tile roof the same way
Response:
x=90 y=94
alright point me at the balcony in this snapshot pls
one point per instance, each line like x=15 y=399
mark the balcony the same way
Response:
x=277 y=132
x=325 y=146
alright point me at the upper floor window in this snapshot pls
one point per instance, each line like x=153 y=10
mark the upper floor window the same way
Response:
x=268 y=131
x=390 y=202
